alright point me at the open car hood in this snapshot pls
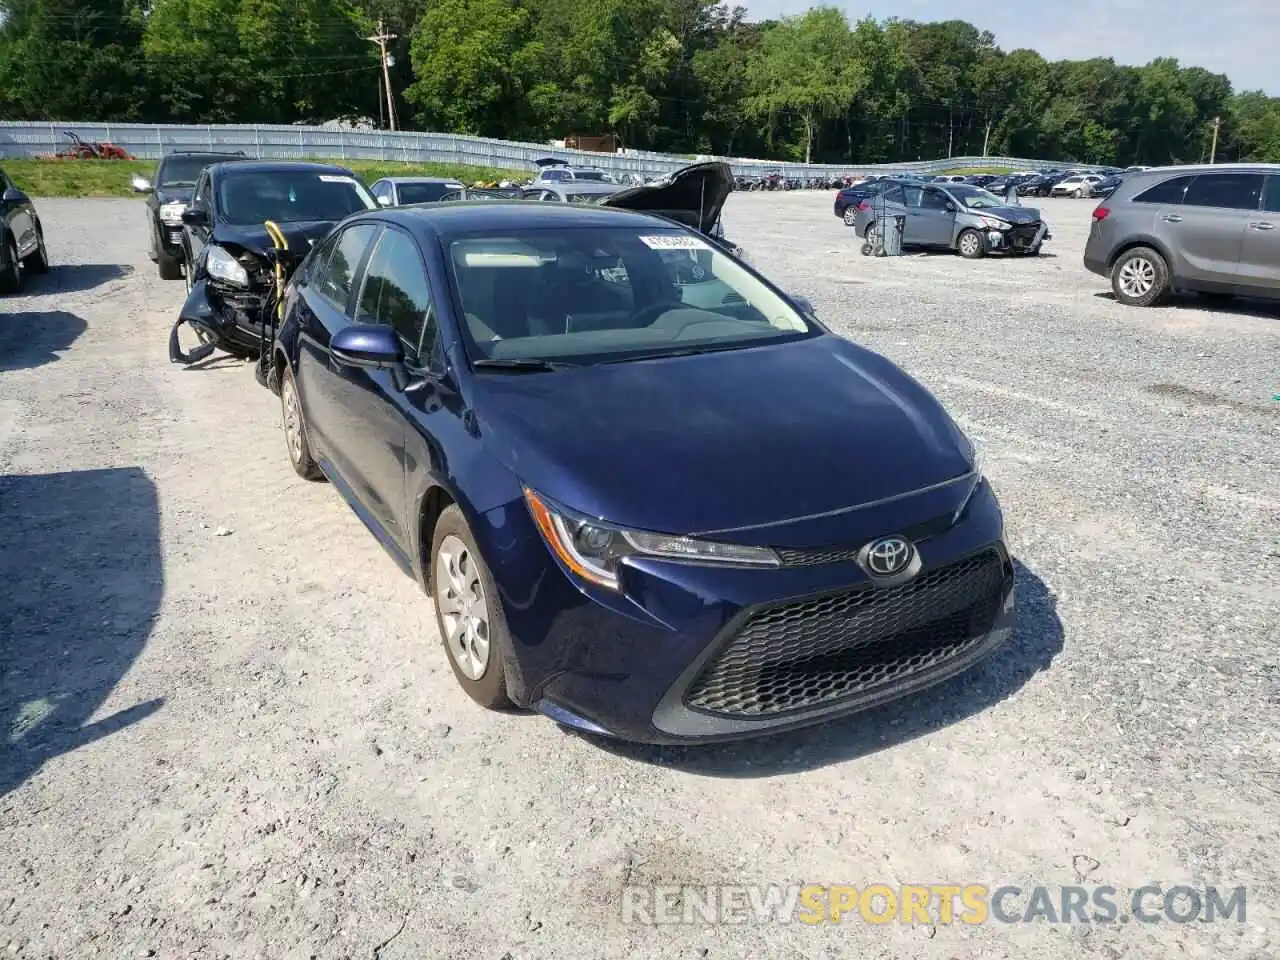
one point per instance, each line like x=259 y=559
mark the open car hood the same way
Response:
x=693 y=195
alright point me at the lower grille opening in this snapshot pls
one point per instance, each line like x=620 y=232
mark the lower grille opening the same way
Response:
x=814 y=653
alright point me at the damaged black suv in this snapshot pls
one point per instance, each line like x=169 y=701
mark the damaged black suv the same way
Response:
x=228 y=250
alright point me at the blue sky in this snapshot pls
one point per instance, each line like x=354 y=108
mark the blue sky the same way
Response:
x=1237 y=37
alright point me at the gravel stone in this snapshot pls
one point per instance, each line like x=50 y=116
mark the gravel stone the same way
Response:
x=1136 y=454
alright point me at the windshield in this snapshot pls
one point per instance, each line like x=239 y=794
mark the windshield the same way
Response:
x=425 y=192
x=975 y=197
x=290 y=196
x=587 y=196
x=594 y=175
x=592 y=294
x=183 y=171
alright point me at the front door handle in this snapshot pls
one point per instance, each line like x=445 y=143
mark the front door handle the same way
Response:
x=1172 y=218
x=1264 y=225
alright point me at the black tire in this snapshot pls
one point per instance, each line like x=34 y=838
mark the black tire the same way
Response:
x=297 y=445
x=1140 y=277
x=11 y=270
x=169 y=268
x=38 y=260
x=488 y=686
x=971 y=245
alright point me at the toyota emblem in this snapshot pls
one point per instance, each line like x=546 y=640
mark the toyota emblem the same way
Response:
x=888 y=556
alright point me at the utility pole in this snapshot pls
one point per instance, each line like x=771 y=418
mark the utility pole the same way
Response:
x=381 y=40
x=1213 y=151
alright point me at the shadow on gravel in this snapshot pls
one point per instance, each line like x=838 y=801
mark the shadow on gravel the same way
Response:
x=82 y=581
x=33 y=339
x=1036 y=641
x=1209 y=303
x=76 y=277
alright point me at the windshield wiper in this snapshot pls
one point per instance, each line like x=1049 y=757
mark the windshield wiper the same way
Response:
x=521 y=364
x=663 y=354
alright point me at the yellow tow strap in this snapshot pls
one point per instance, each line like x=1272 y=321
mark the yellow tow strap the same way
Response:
x=281 y=244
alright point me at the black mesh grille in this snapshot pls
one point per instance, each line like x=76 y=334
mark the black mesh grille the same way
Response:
x=816 y=652
x=1024 y=235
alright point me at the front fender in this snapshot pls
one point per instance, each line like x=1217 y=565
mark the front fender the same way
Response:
x=200 y=314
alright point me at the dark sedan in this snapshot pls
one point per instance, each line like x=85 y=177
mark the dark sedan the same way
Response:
x=655 y=515
x=230 y=255
x=850 y=199
x=22 y=248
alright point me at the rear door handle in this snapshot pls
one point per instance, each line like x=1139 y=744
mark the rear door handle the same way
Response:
x=1172 y=218
x=1264 y=225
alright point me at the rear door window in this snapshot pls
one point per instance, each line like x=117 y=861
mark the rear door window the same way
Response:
x=895 y=194
x=1271 y=195
x=1167 y=191
x=1228 y=191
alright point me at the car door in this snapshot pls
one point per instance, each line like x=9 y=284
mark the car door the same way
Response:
x=1260 y=252
x=394 y=292
x=936 y=218
x=325 y=300
x=1206 y=233
x=197 y=234
x=18 y=215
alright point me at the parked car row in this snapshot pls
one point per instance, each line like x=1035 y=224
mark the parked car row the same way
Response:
x=502 y=392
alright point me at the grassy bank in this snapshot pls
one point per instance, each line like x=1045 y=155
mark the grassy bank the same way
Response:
x=110 y=178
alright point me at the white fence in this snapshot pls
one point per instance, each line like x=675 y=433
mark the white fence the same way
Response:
x=293 y=142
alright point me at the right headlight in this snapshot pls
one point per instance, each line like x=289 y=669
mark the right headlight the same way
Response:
x=593 y=549
x=221 y=265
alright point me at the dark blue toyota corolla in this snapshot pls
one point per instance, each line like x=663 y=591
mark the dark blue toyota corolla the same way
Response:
x=650 y=495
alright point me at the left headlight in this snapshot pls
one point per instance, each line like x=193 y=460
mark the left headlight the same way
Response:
x=593 y=549
x=221 y=265
x=991 y=223
x=171 y=213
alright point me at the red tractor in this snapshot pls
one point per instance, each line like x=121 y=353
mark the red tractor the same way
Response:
x=82 y=149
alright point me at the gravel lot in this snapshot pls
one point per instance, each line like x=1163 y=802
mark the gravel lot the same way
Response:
x=229 y=730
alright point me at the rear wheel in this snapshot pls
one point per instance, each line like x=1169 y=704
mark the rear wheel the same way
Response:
x=1140 y=278
x=11 y=269
x=38 y=260
x=295 y=430
x=970 y=245
x=850 y=216
x=468 y=611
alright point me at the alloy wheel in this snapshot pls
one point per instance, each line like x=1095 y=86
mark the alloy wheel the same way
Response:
x=969 y=244
x=1137 y=277
x=292 y=419
x=464 y=609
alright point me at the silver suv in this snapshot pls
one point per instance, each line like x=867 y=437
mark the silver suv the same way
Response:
x=1208 y=229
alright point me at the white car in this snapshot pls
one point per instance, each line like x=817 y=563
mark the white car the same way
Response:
x=1081 y=185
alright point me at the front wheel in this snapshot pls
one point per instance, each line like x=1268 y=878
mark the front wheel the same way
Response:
x=11 y=270
x=1140 y=278
x=169 y=268
x=468 y=612
x=1077 y=193
x=971 y=245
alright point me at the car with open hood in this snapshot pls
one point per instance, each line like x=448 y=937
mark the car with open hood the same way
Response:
x=955 y=216
x=642 y=511
x=233 y=229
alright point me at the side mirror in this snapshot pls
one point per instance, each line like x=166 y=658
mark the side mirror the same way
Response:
x=372 y=346
x=951 y=207
x=802 y=304
x=384 y=201
x=141 y=184
x=195 y=217
x=14 y=195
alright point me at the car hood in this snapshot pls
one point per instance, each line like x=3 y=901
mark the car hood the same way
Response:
x=721 y=441
x=300 y=235
x=174 y=194
x=1011 y=214
x=693 y=195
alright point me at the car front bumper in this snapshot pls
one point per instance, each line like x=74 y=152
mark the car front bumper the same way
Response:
x=690 y=653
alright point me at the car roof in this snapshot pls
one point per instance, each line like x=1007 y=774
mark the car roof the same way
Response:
x=466 y=215
x=277 y=166
x=398 y=180
x=1195 y=168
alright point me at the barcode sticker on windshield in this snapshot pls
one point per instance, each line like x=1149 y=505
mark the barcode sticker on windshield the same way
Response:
x=329 y=178
x=672 y=241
